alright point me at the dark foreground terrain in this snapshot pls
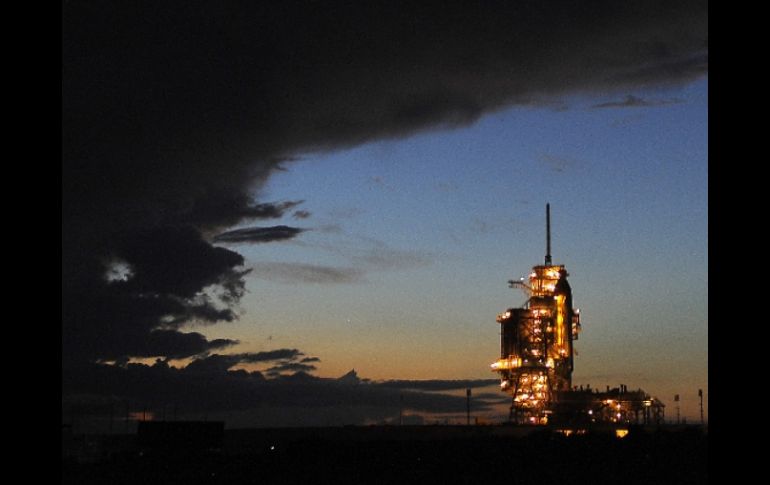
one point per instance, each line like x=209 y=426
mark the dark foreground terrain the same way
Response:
x=372 y=455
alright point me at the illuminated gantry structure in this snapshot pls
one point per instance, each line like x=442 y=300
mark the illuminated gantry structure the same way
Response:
x=536 y=353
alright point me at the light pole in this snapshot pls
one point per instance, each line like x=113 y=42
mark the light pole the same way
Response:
x=468 y=406
x=700 y=395
x=676 y=400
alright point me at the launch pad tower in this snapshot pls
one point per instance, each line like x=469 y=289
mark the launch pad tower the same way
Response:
x=536 y=359
x=536 y=353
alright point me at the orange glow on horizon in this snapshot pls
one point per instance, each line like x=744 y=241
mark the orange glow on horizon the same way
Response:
x=141 y=416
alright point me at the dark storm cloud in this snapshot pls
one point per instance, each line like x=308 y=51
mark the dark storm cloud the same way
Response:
x=172 y=106
x=291 y=273
x=636 y=102
x=259 y=234
x=310 y=359
x=175 y=113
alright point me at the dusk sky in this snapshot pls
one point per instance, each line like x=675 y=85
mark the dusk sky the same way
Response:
x=276 y=195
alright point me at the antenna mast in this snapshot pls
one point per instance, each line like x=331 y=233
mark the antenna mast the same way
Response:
x=548 y=234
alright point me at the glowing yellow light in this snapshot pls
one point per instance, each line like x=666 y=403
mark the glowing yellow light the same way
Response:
x=509 y=363
x=621 y=433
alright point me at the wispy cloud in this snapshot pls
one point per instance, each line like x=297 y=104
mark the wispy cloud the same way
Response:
x=632 y=101
x=363 y=255
x=366 y=253
x=291 y=273
x=627 y=120
x=223 y=362
x=447 y=186
x=290 y=367
x=384 y=258
x=557 y=163
x=372 y=254
x=379 y=181
x=259 y=234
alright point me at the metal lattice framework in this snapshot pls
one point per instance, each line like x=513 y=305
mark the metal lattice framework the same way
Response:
x=536 y=345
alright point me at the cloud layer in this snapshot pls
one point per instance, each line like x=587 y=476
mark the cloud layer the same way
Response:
x=208 y=387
